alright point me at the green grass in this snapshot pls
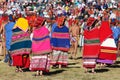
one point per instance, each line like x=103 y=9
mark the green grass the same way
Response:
x=74 y=71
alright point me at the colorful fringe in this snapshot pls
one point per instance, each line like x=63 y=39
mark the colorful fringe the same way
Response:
x=41 y=63
x=91 y=48
x=59 y=57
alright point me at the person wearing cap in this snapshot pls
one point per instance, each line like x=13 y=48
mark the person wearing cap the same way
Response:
x=40 y=61
x=60 y=42
x=20 y=45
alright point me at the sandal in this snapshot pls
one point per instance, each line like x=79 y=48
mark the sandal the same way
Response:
x=17 y=70
x=20 y=70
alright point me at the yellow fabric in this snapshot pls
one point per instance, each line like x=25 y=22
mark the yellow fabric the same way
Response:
x=109 y=51
x=66 y=8
x=22 y=23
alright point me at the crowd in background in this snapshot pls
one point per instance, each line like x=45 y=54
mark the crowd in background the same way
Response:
x=75 y=17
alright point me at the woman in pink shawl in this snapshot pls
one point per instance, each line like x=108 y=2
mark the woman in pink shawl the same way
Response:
x=40 y=47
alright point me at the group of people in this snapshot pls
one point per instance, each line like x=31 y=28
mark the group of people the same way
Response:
x=37 y=36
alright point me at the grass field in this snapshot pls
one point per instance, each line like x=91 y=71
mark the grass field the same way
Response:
x=74 y=71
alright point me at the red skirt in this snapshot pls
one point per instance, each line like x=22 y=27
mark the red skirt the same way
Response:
x=21 y=60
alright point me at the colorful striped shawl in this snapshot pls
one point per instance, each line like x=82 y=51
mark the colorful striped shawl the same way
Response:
x=60 y=39
x=91 y=43
x=108 y=48
x=21 y=42
x=41 y=41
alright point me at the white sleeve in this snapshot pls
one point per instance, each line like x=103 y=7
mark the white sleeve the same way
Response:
x=31 y=36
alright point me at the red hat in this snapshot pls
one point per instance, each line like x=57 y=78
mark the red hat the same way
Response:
x=60 y=20
x=31 y=20
x=39 y=21
x=76 y=21
x=4 y=17
x=90 y=21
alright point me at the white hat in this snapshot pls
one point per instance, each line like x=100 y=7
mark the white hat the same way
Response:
x=1 y=12
x=92 y=15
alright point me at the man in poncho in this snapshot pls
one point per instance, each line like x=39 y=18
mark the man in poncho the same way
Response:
x=91 y=45
x=60 y=42
x=41 y=47
x=20 y=45
x=108 y=48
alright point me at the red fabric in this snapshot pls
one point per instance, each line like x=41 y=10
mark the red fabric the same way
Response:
x=39 y=21
x=62 y=49
x=0 y=21
x=19 y=60
x=107 y=55
x=89 y=66
x=70 y=21
x=4 y=18
x=26 y=62
x=110 y=48
x=31 y=20
x=90 y=21
x=105 y=31
x=91 y=50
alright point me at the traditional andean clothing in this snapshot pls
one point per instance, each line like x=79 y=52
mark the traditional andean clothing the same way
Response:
x=40 y=48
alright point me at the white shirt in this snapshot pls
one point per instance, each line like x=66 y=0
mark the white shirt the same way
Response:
x=112 y=16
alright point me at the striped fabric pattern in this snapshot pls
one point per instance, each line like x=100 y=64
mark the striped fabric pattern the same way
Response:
x=91 y=43
x=41 y=63
x=59 y=57
x=21 y=43
x=89 y=63
x=91 y=48
x=60 y=35
x=41 y=41
x=60 y=39
x=108 y=50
